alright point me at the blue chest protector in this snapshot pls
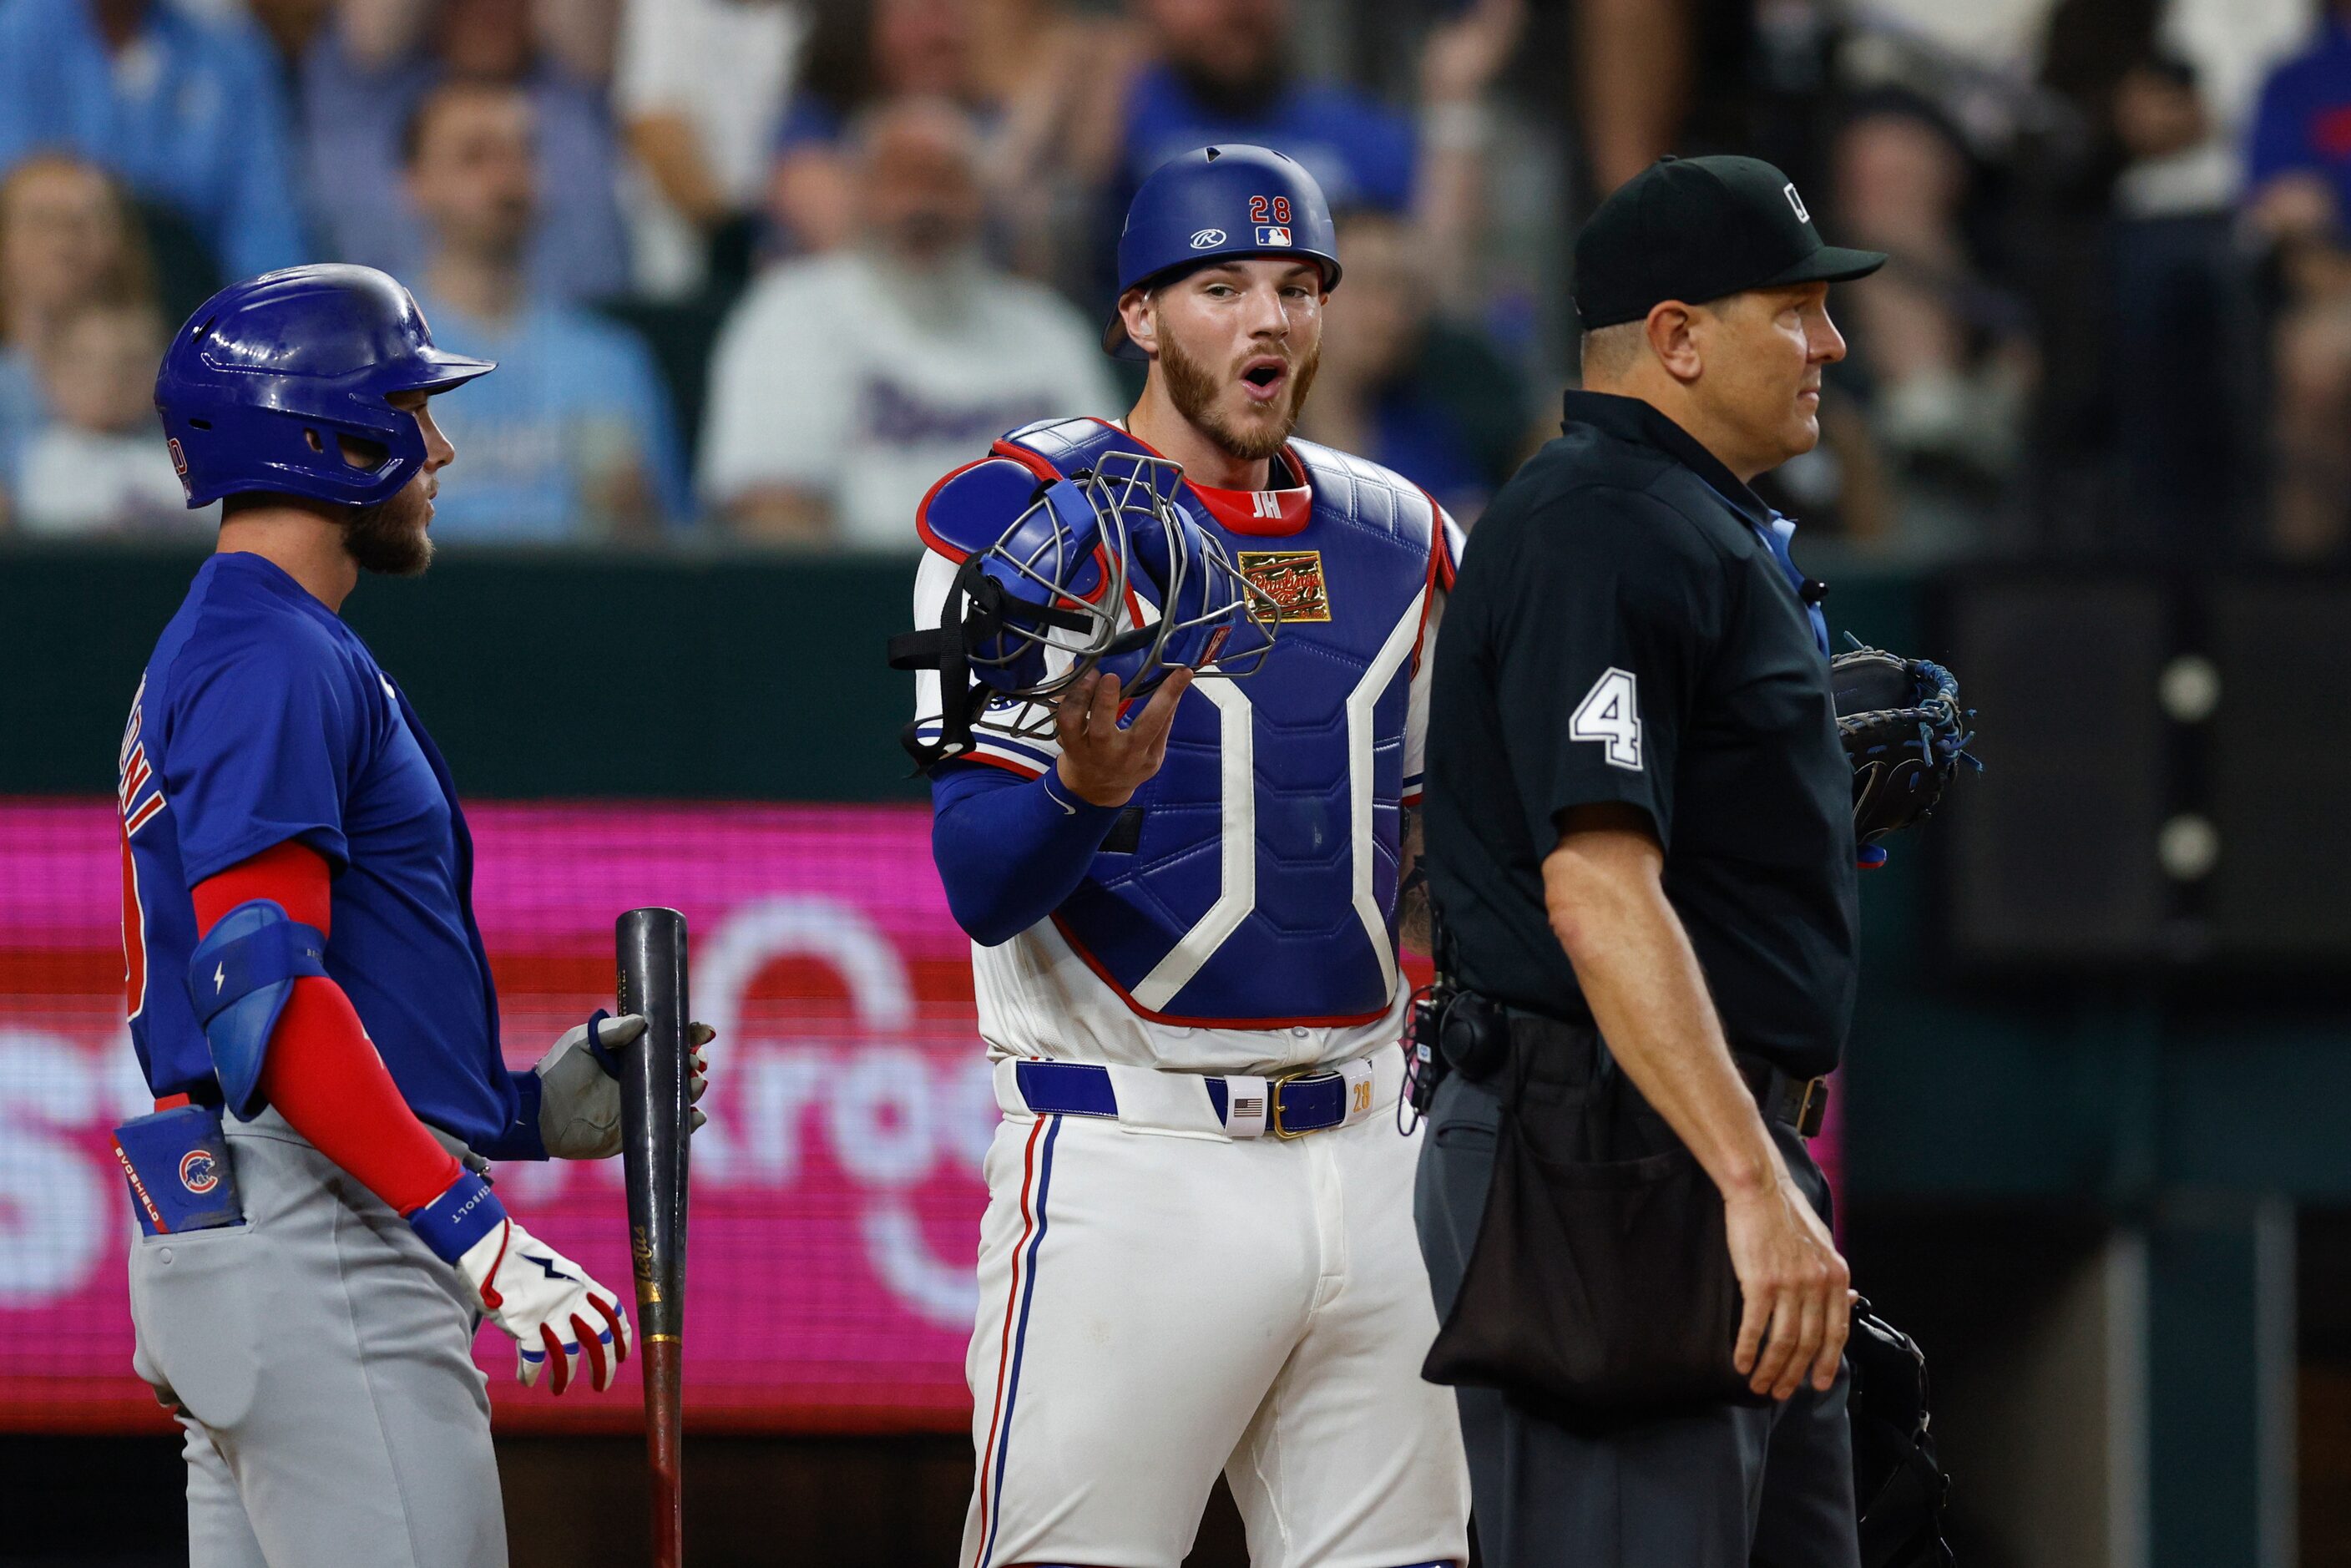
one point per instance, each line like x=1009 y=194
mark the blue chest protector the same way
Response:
x=1254 y=880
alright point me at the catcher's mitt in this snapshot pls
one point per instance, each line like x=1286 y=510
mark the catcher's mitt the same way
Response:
x=1904 y=734
x=1898 y=1478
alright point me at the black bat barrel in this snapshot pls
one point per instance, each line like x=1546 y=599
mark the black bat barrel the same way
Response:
x=654 y=1110
x=653 y=1131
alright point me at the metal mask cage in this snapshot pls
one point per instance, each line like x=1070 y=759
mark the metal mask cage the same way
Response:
x=1130 y=494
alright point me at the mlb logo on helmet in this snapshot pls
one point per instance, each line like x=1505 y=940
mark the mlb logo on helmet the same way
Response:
x=197 y=1173
x=1273 y=233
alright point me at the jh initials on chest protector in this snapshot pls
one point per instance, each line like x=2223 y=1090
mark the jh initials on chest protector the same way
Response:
x=1254 y=882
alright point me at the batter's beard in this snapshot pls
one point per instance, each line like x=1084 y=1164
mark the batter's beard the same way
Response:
x=389 y=537
x=1192 y=387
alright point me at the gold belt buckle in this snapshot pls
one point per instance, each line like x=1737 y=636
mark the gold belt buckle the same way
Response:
x=1812 y=1109
x=1273 y=1103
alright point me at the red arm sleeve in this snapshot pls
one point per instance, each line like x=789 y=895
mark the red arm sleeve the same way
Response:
x=321 y=1071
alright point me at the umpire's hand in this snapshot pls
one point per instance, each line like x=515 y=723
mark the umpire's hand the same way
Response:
x=1604 y=890
x=1794 y=1280
x=1101 y=763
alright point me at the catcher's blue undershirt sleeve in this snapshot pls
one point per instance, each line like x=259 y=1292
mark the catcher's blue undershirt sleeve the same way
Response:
x=1009 y=850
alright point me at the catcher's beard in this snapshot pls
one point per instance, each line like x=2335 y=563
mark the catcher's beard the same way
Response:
x=389 y=537
x=1192 y=387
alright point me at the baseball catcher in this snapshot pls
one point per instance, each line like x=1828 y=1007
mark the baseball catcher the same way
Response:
x=1171 y=698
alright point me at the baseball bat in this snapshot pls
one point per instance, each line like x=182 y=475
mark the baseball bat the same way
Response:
x=653 y=1130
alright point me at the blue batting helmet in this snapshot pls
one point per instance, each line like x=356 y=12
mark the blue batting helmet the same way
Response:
x=264 y=379
x=1216 y=202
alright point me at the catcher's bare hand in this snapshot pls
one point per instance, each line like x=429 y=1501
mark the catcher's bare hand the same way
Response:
x=1798 y=1309
x=1101 y=763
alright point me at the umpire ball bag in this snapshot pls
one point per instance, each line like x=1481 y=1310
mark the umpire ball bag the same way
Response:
x=1600 y=1287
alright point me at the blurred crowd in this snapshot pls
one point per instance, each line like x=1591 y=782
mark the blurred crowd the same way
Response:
x=758 y=271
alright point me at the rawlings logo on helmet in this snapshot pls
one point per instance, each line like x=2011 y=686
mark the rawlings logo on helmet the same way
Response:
x=1205 y=239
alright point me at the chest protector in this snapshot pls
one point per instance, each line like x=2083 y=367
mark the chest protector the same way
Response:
x=1252 y=881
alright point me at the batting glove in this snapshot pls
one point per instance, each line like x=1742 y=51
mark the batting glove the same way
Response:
x=579 y=1085
x=554 y=1312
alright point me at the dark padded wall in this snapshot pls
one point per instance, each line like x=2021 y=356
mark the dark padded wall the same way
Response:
x=539 y=675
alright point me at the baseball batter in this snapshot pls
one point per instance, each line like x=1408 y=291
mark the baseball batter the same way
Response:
x=312 y=1008
x=1198 y=1254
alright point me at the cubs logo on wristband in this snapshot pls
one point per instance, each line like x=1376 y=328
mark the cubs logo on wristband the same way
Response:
x=177 y=1165
x=198 y=1172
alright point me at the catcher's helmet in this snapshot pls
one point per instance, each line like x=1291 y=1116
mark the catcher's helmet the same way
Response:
x=257 y=386
x=1102 y=570
x=1218 y=202
x=1105 y=571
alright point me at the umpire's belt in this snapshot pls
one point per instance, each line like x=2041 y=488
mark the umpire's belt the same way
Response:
x=1800 y=1102
x=1234 y=1105
x=1797 y=1103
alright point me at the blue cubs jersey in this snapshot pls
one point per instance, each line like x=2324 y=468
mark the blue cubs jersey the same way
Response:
x=1252 y=884
x=261 y=718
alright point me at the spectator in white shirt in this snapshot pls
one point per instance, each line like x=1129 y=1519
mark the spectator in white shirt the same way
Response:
x=700 y=88
x=846 y=384
x=100 y=466
x=67 y=238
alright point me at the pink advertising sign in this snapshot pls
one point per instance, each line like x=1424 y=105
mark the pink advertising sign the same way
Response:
x=836 y=1196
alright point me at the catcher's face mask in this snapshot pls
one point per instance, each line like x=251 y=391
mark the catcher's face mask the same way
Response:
x=1101 y=572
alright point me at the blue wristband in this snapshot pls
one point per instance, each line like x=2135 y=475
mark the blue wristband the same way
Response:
x=460 y=1217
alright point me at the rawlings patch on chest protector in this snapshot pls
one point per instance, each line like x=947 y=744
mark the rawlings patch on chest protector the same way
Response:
x=1292 y=578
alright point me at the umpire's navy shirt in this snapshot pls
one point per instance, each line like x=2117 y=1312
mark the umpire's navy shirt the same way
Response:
x=1627 y=628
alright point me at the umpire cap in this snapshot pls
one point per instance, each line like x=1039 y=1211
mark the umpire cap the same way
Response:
x=260 y=383
x=1211 y=204
x=1696 y=229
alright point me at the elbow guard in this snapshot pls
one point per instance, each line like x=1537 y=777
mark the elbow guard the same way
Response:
x=239 y=979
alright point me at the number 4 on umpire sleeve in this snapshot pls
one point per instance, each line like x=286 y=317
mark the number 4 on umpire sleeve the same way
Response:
x=1609 y=713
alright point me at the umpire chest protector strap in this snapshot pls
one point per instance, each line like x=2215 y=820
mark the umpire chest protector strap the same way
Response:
x=1258 y=886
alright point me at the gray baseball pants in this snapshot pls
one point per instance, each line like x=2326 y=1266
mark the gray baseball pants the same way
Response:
x=1727 y=1488
x=319 y=1359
